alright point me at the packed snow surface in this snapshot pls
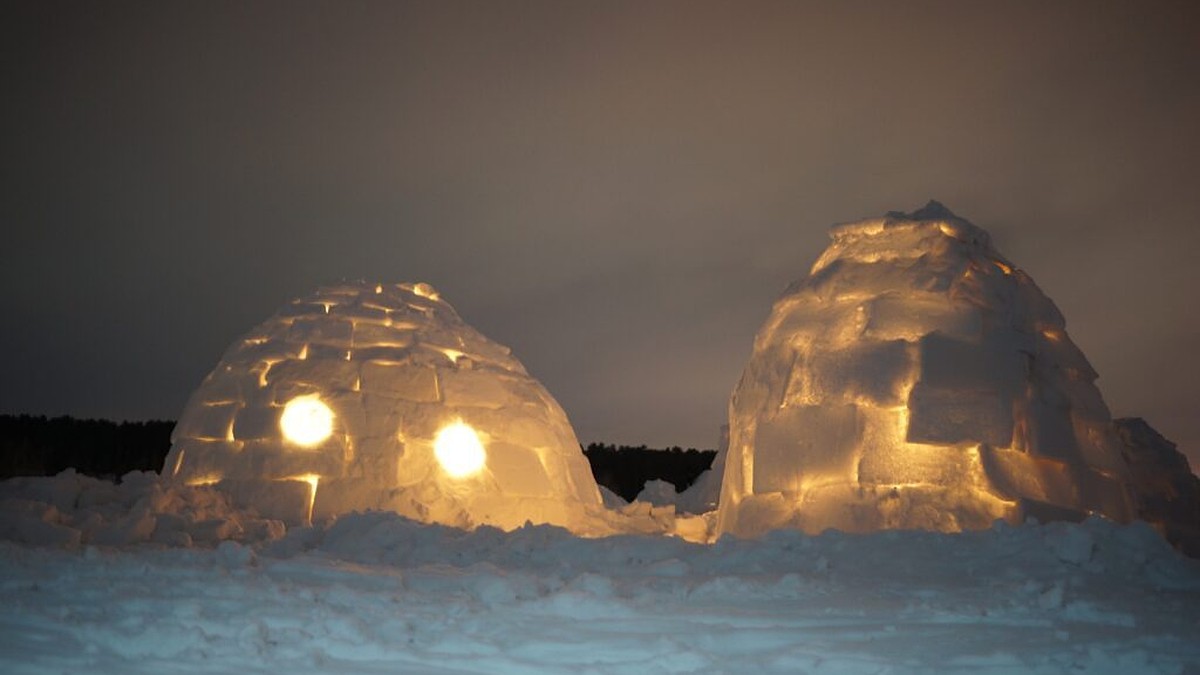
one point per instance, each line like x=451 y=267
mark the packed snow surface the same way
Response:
x=147 y=577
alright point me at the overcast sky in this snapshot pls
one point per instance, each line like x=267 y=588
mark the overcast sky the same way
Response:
x=618 y=191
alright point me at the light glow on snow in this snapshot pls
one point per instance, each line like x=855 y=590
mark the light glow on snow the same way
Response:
x=453 y=354
x=266 y=371
x=425 y=291
x=306 y=421
x=459 y=450
x=312 y=479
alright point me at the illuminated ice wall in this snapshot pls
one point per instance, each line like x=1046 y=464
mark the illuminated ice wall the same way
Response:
x=370 y=396
x=916 y=379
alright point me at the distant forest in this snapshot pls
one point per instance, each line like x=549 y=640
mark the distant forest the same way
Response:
x=624 y=469
x=40 y=446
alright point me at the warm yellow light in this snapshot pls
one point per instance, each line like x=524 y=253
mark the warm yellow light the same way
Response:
x=313 y=480
x=425 y=291
x=306 y=421
x=453 y=354
x=459 y=450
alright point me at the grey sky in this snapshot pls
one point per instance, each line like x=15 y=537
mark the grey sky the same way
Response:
x=617 y=191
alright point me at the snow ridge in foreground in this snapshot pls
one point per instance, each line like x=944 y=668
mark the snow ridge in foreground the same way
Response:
x=376 y=593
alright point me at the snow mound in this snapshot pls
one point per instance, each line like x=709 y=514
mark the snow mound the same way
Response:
x=73 y=511
x=917 y=379
x=371 y=396
x=702 y=496
x=377 y=592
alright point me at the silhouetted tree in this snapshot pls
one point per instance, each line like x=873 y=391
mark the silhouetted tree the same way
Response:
x=40 y=446
x=625 y=469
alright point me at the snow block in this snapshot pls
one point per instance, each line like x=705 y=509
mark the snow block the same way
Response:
x=914 y=463
x=256 y=423
x=281 y=461
x=1046 y=430
x=229 y=387
x=195 y=459
x=338 y=496
x=899 y=317
x=208 y=421
x=284 y=500
x=1016 y=475
x=329 y=372
x=520 y=470
x=873 y=372
x=293 y=309
x=946 y=363
x=947 y=416
x=394 y=355
x=321 y=352
x=323 y=329
x=372 y=335
x=250 y=351
x=409 y=382
x=803 y=320
x=477 y=389
x=806 y=445
x=355 y=312
x=766 y=381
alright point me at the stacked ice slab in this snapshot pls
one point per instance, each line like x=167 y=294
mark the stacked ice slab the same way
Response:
x=916 y=379
x=393 y=366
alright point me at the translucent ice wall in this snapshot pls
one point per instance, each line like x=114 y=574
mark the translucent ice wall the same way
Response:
x=916 y=379
x=370 y=396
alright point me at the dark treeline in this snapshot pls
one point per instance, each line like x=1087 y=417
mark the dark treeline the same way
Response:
x=625 y=469
x=40 y=446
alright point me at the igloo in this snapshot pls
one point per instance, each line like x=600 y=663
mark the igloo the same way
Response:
x=371 y=396
x=917 y=379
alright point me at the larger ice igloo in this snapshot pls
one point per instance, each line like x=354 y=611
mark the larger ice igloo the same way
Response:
x=371 y=396
x=917 y=379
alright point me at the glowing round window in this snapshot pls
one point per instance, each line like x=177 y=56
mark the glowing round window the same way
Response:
x=306 y=421
x=459 y=450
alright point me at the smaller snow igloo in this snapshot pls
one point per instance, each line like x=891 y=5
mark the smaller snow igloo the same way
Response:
x=917 y=379
x=371 y=396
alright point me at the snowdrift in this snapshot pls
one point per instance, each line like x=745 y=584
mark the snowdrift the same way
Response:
x=150 y=577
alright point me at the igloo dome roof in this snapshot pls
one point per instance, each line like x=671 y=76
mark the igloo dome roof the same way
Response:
x=916 y=379
x=378 y=396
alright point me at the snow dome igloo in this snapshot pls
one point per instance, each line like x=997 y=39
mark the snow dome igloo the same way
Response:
x=370 y=396
x=916 y=379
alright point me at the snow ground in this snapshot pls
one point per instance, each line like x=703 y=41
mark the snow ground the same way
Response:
x=375 y=593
